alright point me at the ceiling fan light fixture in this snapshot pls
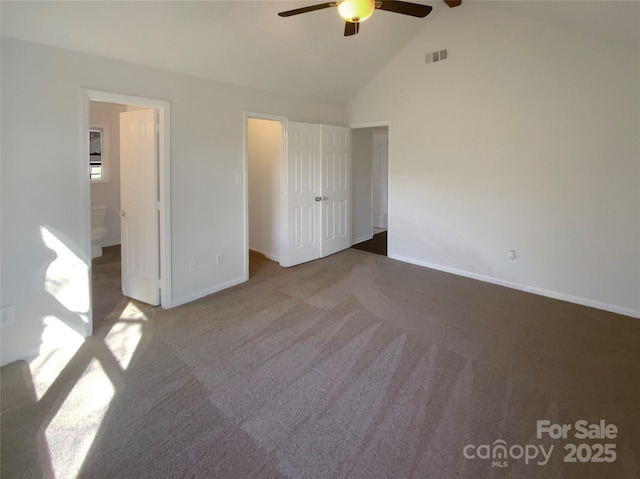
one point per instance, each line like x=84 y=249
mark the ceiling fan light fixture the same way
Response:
x=356 y=11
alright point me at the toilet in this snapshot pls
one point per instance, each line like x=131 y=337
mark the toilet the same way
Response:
x=98 y=229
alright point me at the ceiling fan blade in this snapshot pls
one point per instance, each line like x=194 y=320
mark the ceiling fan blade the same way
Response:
x=453 y=3
x=351 y=28
x=406 y=8
x=311 y=8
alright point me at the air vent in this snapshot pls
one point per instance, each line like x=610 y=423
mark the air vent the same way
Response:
x=436 y=56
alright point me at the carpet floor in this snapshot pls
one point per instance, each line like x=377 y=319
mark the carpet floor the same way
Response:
x=353 y=366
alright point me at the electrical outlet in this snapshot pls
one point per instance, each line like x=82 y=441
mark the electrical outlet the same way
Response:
x=219 y=259
x=6 y=315
x=404 y=175
x=193 y=266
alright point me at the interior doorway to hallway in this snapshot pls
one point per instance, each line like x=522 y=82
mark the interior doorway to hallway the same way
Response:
x=371 y=187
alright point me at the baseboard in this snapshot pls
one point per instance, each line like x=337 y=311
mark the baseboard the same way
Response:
x=206 y=292
x=523 y=287
x=266 y=255
x=362 y=239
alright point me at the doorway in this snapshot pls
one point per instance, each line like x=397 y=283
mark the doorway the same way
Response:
x=131 y=121
x=370 y=187
x=264 y=157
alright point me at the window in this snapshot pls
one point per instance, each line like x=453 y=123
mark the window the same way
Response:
x=99 y=153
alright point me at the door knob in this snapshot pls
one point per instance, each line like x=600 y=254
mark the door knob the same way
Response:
x=123 y=214
x=318 y=198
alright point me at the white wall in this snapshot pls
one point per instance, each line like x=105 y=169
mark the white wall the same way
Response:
x=361 y=176
x=108 y=193
x=44 y=173
x=380 y=176
x=264 y=157
x=525 y=138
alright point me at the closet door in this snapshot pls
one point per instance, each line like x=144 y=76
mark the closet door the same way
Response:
x=336 y=189
x=303 y=196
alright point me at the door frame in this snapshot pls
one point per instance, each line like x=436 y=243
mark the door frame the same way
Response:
x=384 y=183
x=164 y=184
x=283 y=120
x=377 y=124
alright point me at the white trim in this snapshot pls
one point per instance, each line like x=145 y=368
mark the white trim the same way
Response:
x=267 y=255
x=362 y=239
x=164 y=173
x=85 y=207
x=370 y=124
x=246 y=115
x=207 y=292
x=522 y=287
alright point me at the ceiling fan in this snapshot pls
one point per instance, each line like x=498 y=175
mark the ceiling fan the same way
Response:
x=356 y=11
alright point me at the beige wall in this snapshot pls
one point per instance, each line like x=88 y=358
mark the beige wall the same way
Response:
x=525 y=138
x=44 y=181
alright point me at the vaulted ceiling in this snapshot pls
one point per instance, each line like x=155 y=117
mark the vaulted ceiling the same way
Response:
x=247 y=43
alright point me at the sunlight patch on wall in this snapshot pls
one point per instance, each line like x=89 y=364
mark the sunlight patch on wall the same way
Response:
x=73 y=429
x=67 y=277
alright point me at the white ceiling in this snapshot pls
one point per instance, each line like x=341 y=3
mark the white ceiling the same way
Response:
x=246 y=43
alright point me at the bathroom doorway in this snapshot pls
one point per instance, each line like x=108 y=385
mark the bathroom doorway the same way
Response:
x=129 y=122
x=104 y=152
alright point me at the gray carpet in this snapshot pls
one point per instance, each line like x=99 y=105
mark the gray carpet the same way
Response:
x=354 y=366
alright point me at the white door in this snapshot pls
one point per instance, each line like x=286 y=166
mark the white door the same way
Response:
x=336 y=189
x=302 y=194
x=380 y=172
x=138 y=203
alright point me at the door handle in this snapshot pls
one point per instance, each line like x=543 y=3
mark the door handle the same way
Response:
x=318 y=198
x=123 y=213
x=325 y=198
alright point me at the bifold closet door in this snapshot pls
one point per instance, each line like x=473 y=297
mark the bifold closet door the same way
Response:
x=317 y=195
x=302 y=194
x=336 y=189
